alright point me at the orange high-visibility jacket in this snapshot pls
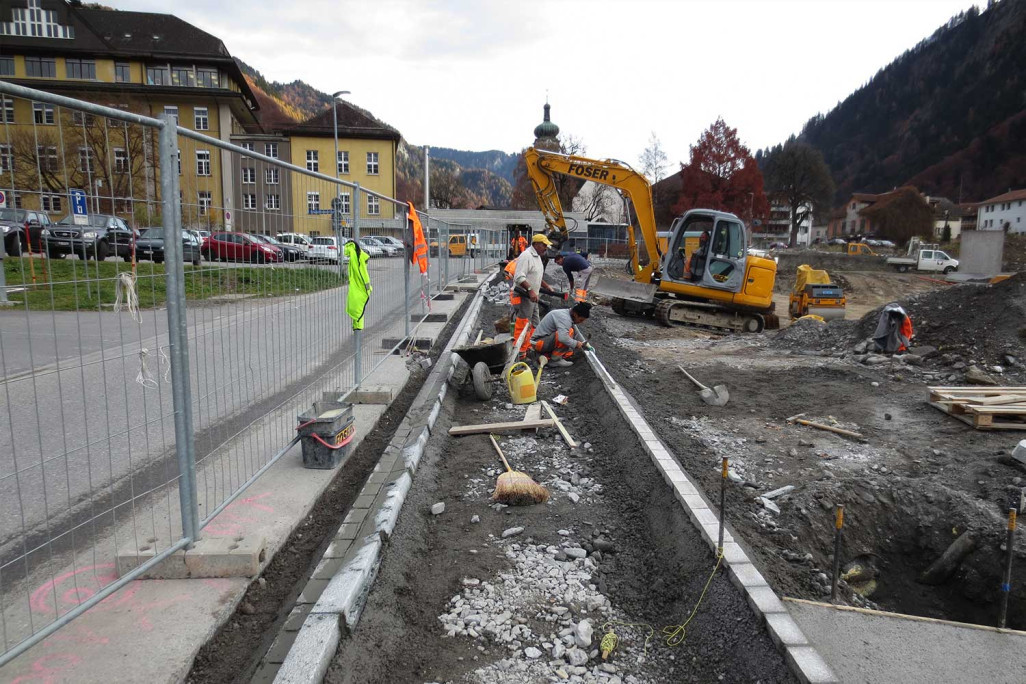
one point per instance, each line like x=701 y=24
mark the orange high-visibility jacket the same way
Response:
x=420 y=248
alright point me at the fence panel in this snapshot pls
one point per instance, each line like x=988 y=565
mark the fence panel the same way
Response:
x=160 y=339
x=87 y=421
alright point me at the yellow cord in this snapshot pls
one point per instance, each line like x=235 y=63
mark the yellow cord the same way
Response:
x=675 y=633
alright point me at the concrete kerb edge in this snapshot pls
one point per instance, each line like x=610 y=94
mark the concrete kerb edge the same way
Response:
x=338 y=609
x=804 y=660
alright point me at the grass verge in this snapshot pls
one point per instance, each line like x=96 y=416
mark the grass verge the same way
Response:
x=73 y=285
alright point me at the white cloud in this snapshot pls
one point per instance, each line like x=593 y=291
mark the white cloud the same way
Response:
x=474 y=75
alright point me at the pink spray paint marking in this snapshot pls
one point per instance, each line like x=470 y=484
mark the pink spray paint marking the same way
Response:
x=49 y=669
x=71 y=589
x=232 y=520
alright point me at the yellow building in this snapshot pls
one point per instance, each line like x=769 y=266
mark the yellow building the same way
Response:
x=141 y=62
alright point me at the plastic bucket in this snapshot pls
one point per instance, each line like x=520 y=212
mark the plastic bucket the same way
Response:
x=327 y=433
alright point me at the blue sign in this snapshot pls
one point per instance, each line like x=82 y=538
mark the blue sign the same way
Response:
x=79 y=211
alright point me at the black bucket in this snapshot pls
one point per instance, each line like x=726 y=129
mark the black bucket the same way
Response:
x=327 y=434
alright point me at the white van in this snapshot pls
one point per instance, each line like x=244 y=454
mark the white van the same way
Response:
x=304 y=242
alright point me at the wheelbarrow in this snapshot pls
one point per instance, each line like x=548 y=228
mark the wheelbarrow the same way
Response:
x=486 y=359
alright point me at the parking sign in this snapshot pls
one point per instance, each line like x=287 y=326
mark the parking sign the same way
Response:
x=79 y=211
x=3 y=200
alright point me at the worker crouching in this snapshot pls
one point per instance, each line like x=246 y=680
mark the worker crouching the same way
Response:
x=557 y=336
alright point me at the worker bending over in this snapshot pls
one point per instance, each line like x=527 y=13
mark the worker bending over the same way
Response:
x=527 y=281
x=557 y=336
x=576 y=263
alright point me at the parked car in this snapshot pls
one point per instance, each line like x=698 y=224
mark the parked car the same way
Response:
x=395 y=242
x=150 y=245
x=297 y=240
x=386 y=244
x=290 y=252
x=21 y=228
x=872 y=242
x=887 y=243
x=372 y=247
x=103 y=235
x=326 y=249
x=837 y=241
x=778 y=245
x=240 y=247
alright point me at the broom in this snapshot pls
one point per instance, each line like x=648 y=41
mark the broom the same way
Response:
x=514 y=488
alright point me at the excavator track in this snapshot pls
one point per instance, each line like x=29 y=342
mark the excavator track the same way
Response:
x=672 y=312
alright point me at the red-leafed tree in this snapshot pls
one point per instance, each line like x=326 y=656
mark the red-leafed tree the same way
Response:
x=722 y=175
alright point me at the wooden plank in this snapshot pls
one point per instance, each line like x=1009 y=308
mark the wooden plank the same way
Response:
x=570 y=442
x=1002 y=399
x=972 y=420
x=978 y=390
x=533 y=412
x=461 y=430
x=1015 y=410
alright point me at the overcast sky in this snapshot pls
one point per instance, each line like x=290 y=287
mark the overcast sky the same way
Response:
x=474 y=75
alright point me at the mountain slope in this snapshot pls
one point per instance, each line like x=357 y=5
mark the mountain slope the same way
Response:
x=946 y=116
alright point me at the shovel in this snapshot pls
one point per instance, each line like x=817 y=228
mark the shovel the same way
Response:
x=717 y=396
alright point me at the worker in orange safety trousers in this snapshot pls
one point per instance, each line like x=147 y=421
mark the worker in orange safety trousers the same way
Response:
x=528 y=276
x=575 y=263
x=557 y=336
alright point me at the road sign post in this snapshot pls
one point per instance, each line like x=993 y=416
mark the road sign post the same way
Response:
x=79 y=207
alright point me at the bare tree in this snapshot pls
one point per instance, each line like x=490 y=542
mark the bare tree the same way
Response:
x=597 y=201
x=653 y=160
x=447 y=192
x=799 y=174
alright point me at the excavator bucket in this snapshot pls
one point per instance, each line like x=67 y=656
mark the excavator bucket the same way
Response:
x=617 y=287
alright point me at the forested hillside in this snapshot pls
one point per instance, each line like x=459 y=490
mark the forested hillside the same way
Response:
x=948 y=116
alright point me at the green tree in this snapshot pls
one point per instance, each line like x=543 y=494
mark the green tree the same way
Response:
x=798 y=173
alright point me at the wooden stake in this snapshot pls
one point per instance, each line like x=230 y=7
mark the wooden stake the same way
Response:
x=461 y=430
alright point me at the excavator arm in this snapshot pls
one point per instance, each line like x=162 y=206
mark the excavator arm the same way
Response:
x=543 y=165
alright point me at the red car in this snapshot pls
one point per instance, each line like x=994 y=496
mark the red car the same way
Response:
x=240 y=247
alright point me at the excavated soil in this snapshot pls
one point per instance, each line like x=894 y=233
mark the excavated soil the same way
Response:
x=919 y=481
x=605 y=495
x=234 y=653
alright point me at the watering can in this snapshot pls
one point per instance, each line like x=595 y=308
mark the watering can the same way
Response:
x=523 y=386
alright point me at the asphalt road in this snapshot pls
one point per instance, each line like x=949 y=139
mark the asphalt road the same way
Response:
x=82 y=406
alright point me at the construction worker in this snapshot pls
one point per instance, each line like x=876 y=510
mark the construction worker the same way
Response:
x=557 y=336
x=576 y=263
x=527 y=278
x=517 y=245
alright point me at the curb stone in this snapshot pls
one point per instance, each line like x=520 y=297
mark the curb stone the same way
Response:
x=804 y=660
x=364 y=531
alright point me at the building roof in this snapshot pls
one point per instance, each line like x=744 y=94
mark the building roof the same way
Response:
x=888 y=198
x=1010 y=196
x=864 y=197
x=115 y=33
x=353 y=122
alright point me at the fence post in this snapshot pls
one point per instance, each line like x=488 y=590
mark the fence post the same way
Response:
x=357 y=334
x=177 y=331
x=447 y=255
x=407 y=237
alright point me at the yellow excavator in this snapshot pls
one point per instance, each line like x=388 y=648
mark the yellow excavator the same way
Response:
x=700 y=274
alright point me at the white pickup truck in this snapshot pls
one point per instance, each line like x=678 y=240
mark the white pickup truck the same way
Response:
x=925 y=260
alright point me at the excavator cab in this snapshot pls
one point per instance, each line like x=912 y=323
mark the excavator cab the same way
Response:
x=708 y=251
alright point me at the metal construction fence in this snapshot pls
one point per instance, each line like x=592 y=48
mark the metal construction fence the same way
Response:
x=147 y=379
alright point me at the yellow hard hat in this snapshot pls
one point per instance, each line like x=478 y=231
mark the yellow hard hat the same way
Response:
x=538 y=237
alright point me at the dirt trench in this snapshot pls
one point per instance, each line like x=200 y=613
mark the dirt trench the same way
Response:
x=920 y=481
x=652 y=571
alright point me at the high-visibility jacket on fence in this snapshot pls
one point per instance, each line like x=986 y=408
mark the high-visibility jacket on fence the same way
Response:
x=359 y=283
x=419 y=255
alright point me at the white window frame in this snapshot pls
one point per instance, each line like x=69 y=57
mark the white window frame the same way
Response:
x=51 y=204
x=249 y=200
x=201 y=117
x=272 y=176
x=85 y=160
x=343 y=161
x=344 y=205
x=246 y=146
x=42 y=113
x=271 y=150
x=6 y=157
x=313 y=202
x=121 y=160
x=172 y=110
x=373 y=206
x=6 y=109
x=204 y=200
x=248 y=175
x=47 y=157
x=313 y=161
x=373 y=164
x=272 y=202
x=202 y=162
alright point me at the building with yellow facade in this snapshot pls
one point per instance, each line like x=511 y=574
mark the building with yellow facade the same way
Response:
x=153 y=64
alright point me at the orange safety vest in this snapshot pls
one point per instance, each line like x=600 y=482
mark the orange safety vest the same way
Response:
x=420 y=248
x=509 y=273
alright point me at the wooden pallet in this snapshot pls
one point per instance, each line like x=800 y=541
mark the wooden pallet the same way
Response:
x=984 y=408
